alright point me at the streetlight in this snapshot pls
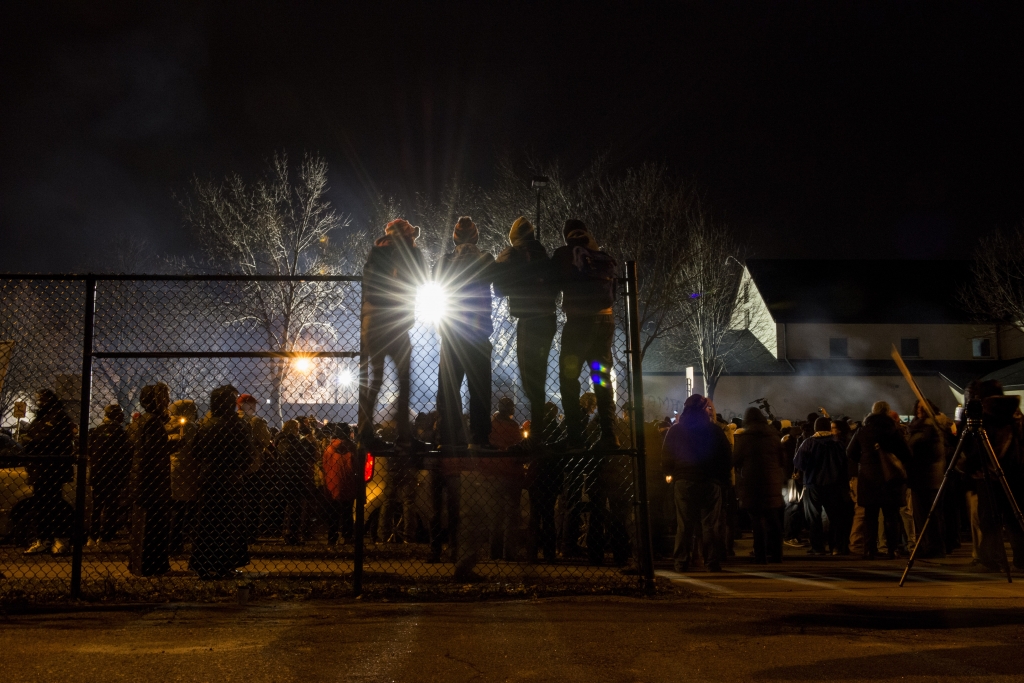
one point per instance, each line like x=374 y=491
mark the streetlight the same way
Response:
x=538 y=183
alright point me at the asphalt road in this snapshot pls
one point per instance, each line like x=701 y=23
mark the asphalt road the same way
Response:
x=808 y=619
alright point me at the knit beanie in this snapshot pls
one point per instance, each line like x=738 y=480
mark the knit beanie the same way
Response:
x=465 y=231
x=571 y=225
x=402 y=228
x=581 y=238
x=822 y=424
x=521 y=229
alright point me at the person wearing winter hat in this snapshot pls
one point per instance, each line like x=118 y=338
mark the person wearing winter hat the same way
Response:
x=394 y=269
x=586 y=277
x=466 y=273
x=522 y=272
x=697 y=459
x=110 y=462
x=151 y=485
x=822 y=463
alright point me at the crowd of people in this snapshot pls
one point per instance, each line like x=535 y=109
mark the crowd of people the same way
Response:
x=218 y=483
x=480 y=485
x=838 y=486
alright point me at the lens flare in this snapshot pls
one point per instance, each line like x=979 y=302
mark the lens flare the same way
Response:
x=346 y=378
x=302 y=365
x=431 y=303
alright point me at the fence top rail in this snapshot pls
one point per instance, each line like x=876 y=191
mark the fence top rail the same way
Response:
x=182 y=277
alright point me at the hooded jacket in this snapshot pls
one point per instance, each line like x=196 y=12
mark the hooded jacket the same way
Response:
x=587 y=291
x=758 y=458
x=110 y=457
x=467 y=273
x=50 y=433
x=523 y=273
x=822 y=460
x=393 y=270
x=927 y=463
x=696 y=449
x=872 y=489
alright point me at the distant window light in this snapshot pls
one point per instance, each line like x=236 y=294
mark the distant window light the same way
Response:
x=910 y=347
x=838 y=347
x=981 y=347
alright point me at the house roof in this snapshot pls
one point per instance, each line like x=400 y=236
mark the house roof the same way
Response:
x=864 y=291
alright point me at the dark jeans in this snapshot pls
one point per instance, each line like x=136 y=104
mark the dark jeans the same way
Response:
x=933 y=543
x=698 y=503
x=182 y=524
x=533 y=346
x=579 y=470
x=587 y=341
x=834 y=499
x=545 y=477
x=893 y=527
x=400 y=349
x=399 y=500
x=444 y=498
x=470 y=359
x=107 y=517
x=767 y=528
x=296 y=518
x=51 y=515
x=609 y=512
x=339 y=519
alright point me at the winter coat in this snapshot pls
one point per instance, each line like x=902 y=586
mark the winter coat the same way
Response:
x=696 y=450
x=821 y=460
x=340 y=477
x=50 y=433
x=185 y=470
x=505 y=432
x=466 y=273
x=393 y=270
x=261 y=440
x=523 y=273
x=872 y=489
x=151 y=464
x=224 y=449
x=927 y=464
x=586 y=293
x=110 y=458
x=296 y=458
x=759 y=459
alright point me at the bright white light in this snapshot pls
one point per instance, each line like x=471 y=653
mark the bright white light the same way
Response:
x=346 y=378
x=431 y=303
x=302 y=364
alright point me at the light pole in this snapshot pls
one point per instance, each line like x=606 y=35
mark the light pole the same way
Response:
x=538 y=183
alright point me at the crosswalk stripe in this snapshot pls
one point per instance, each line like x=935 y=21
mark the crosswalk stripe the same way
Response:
x=682 y=578
x=792 y=579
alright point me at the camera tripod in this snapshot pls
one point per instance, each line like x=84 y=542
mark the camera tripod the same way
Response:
x=976 y=430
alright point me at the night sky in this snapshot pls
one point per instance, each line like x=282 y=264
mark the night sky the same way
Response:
x=816 y=129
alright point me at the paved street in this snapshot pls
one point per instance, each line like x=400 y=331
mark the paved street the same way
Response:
x=805 y=620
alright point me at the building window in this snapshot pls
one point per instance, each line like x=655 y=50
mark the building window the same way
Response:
x=910 y=348
x=838 y=347
x=981 y=348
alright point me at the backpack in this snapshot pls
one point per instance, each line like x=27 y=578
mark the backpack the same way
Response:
x=594 y=265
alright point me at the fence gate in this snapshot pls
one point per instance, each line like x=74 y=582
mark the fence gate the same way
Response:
x=230 y=457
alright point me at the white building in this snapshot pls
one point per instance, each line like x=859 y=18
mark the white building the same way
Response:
x=822 y=333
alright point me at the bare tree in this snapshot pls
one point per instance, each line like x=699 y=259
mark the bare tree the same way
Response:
x=714 y=300
x=282 y=224
x=997 y=292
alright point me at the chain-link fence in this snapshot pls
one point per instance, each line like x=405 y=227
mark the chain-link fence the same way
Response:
x=221 y=442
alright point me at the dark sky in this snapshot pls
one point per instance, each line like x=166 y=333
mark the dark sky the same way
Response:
x=889 y=129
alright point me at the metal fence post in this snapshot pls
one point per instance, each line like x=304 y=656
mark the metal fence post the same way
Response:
x=78 y=534
x=645 y=551
x=360 y=523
